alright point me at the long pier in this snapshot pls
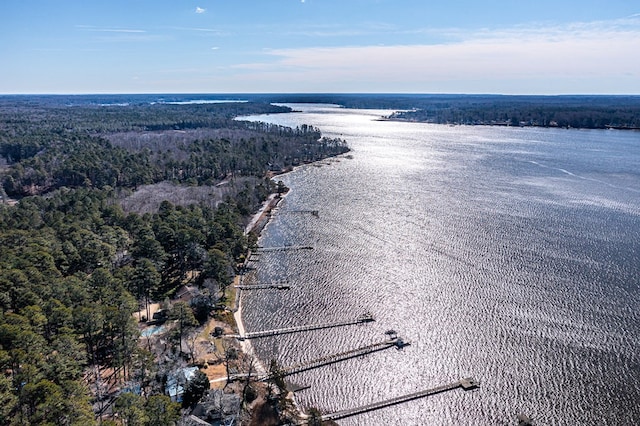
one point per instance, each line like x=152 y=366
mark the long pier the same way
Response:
x=312 y=212
x=276 y=285
x=342 y=356
x=296 y=329
x=281 y=248
x=465 y=384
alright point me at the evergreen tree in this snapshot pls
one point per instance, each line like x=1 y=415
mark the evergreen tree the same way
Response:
x=161 y=411
x=130 y=409
x=185 y=321
x=196 y=387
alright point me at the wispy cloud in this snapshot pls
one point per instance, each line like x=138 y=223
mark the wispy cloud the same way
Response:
x=206 y=30
x=119 y=35
x=200 y=10
x=591 y=53
x=321 y=30
x=212 y=31
x=109 y=30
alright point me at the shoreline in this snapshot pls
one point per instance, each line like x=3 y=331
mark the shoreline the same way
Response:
x=505 y=124
x=257 y=223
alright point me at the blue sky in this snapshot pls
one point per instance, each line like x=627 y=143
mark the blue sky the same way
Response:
x=383 y=46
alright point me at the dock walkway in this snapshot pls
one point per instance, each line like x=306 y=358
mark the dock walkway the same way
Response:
x=334 y=358
x=280 y=211
x=296 y=329
x=465 y=384
x=276 y=286
x=281 y=248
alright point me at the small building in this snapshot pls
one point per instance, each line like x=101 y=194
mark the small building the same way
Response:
x=186 y=293
x=218 y=407
x=160 y=316
x=177 y=382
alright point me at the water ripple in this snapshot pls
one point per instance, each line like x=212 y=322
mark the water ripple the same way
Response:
x=510 y=255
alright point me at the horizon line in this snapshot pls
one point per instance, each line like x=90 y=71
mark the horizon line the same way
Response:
x=316 y=94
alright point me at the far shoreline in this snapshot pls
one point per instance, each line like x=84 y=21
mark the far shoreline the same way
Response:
x=504 y=124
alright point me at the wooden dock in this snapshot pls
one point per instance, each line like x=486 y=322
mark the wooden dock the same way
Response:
x=315 y=213
x=465 y=384
x=342 y=356
x=281 y=248
x=276 y=286
x=300 y=328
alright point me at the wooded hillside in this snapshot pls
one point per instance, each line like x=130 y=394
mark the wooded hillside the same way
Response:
x=74 y=266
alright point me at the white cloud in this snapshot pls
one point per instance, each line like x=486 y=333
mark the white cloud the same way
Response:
x=600 y=56
x=200 y=10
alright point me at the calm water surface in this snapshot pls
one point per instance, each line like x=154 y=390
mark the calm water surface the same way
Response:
x=510 y=255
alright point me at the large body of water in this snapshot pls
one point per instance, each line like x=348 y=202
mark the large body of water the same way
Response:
x=511 y=255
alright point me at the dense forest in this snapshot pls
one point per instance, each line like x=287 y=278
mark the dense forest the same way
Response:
x=75 y=266
x=53 y=146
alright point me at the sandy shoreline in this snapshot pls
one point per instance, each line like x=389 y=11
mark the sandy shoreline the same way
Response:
x=257 y=223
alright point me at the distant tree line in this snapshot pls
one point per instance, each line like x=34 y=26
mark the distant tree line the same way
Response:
x=530 y=113
x=576 y=111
